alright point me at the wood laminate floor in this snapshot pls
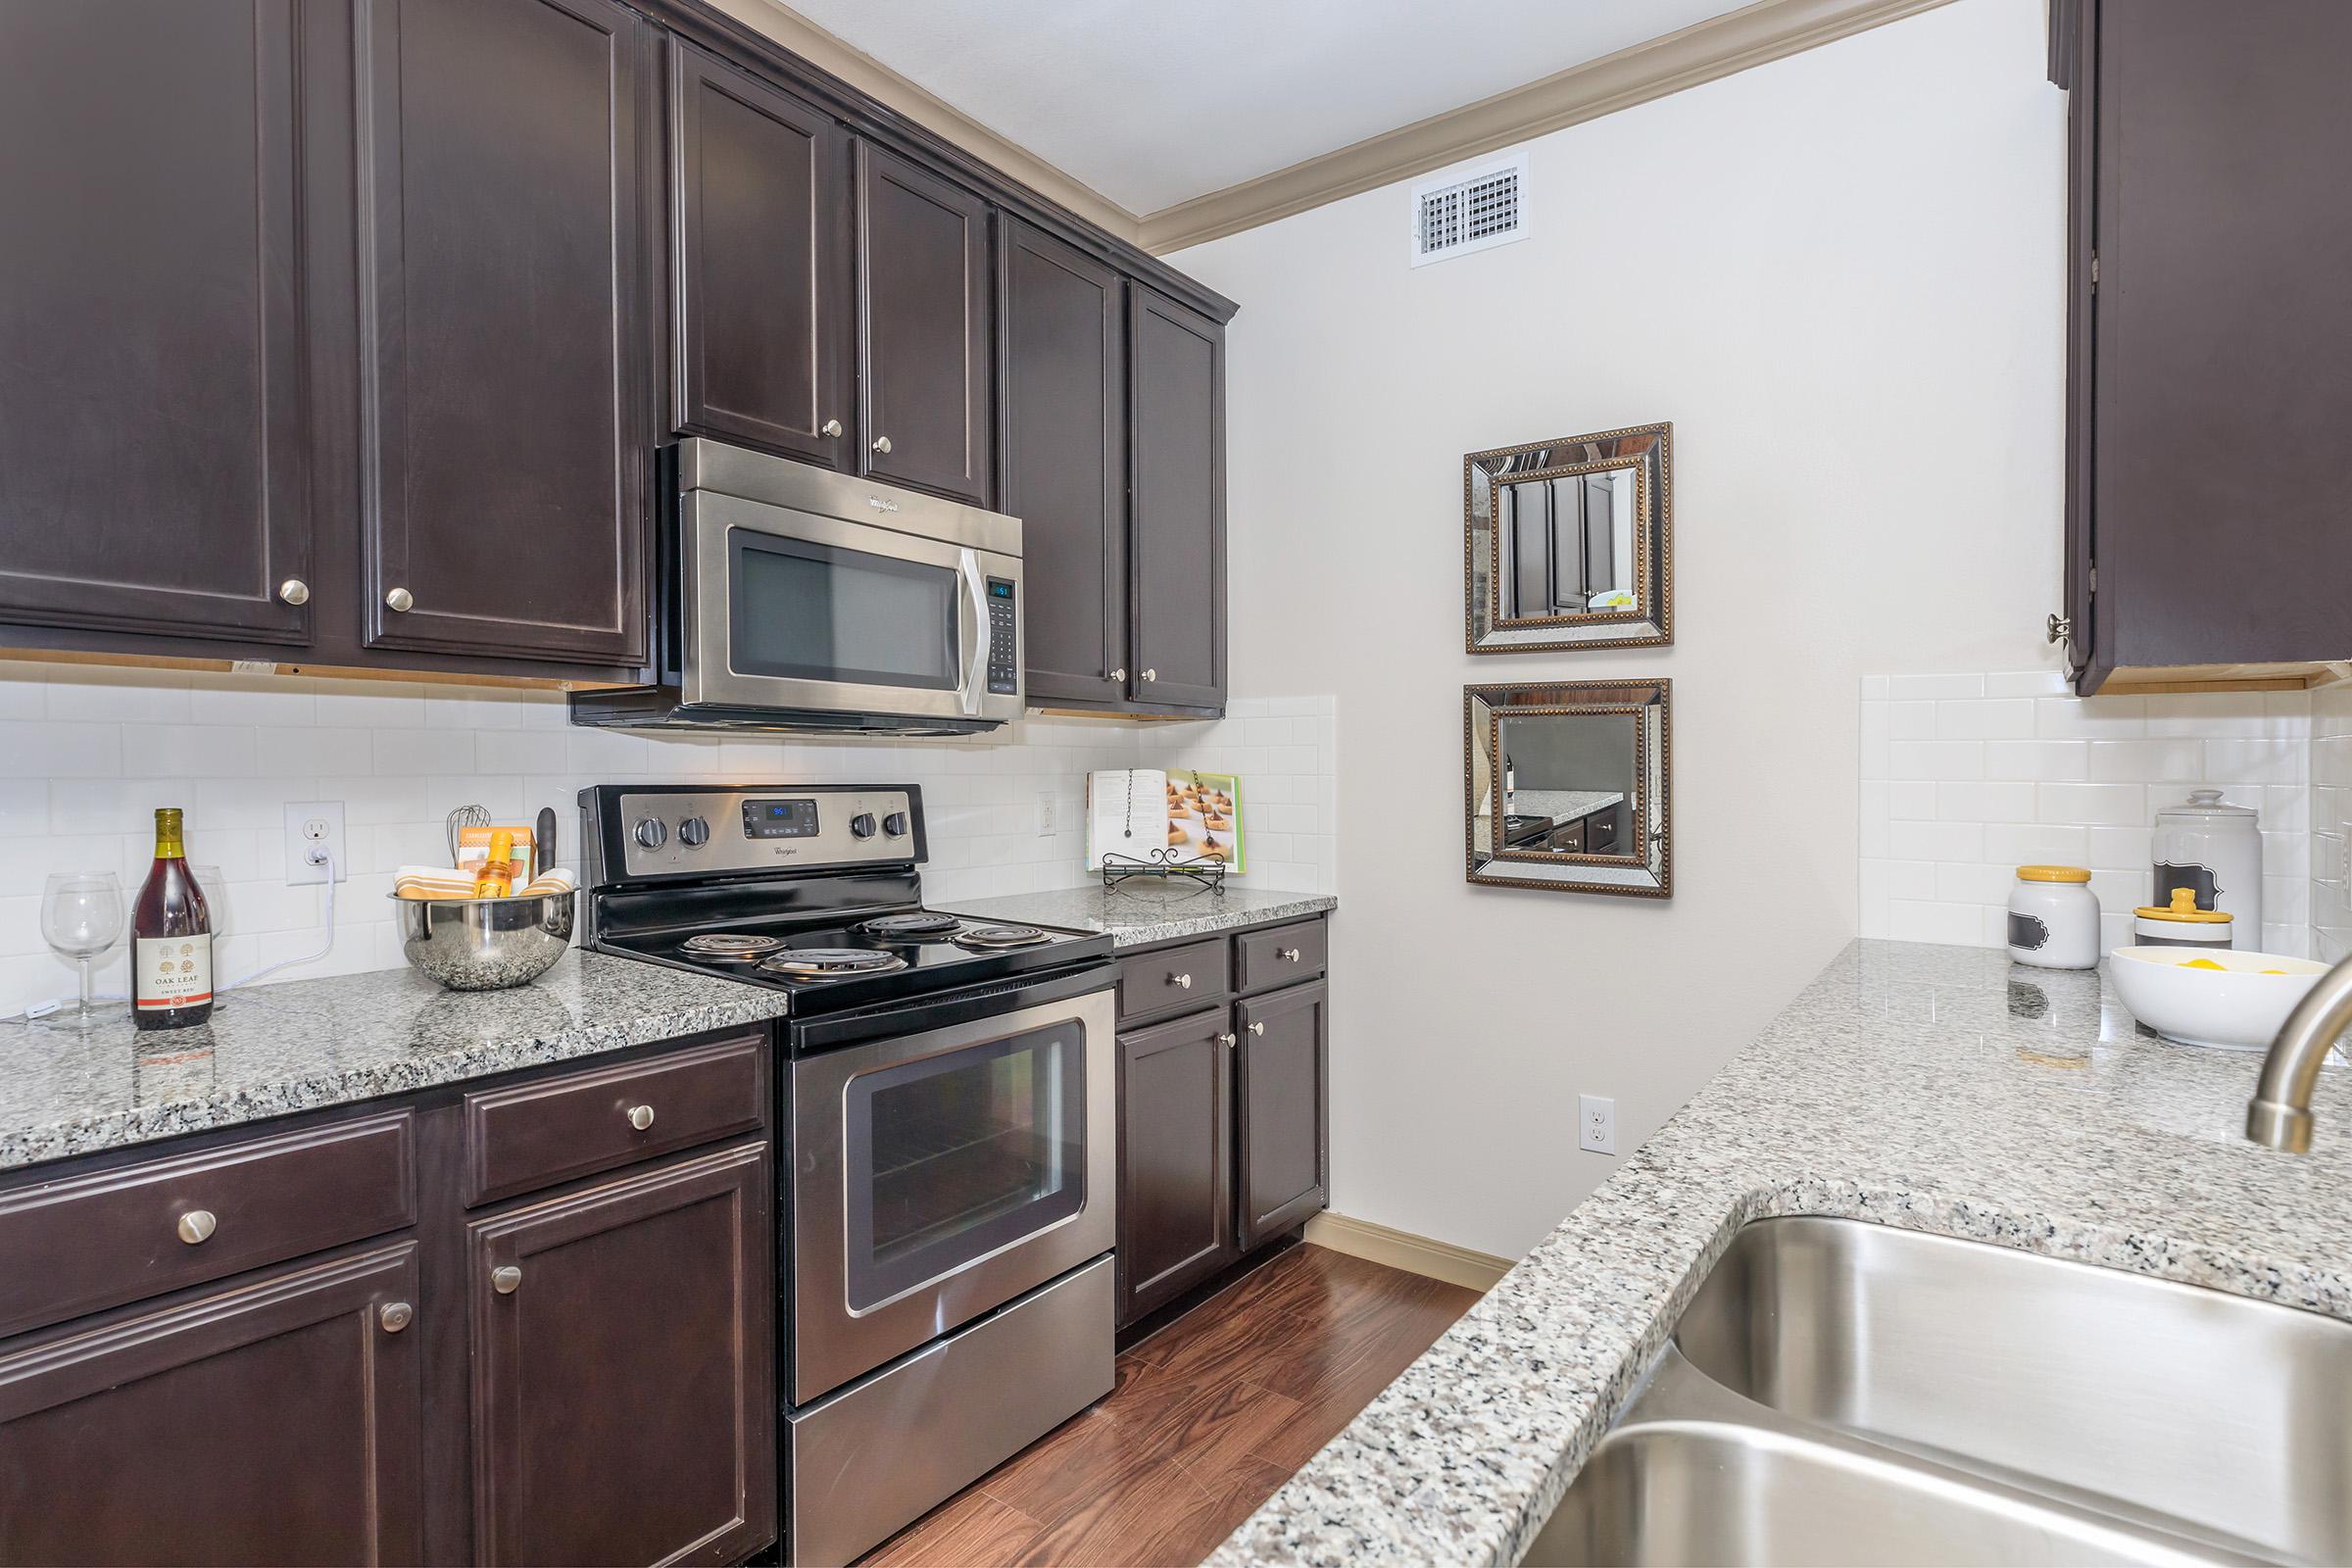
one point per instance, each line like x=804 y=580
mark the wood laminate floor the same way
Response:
x=1210 y=1416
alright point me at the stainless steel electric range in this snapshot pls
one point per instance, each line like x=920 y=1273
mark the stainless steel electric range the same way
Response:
x=945 y=1135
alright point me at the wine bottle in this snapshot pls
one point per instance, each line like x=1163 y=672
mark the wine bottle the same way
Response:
x=171 y=937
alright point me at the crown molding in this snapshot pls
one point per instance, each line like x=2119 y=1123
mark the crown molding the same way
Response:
x=936 y=114
x=1753 y=35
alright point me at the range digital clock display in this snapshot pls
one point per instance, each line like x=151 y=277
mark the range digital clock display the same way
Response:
x=779 y=819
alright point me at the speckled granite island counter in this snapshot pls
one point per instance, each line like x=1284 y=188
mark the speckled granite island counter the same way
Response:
x=275 y=1050
x=1139 y=913
x=1936 y=1089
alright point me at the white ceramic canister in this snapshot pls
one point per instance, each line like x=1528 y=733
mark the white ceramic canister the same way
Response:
x=2181 y=924
x=2216 y=851
x=2054 y=918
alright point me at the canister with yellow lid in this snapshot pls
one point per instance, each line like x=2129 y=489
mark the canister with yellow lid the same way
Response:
x=2181 y=924
x=2054 y=918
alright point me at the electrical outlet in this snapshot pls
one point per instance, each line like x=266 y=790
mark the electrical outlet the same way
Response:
x=1596 y=1123
x=1045 y=813
x=314 y=835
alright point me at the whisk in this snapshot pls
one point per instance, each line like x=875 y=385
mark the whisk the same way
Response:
x=464 y=818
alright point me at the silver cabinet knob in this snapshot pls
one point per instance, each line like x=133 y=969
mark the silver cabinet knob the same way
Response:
x=641 y=1116
x=881 y=443
x=1227 y=1041
x=1289 y=955
x=1119 y=674
x=1151 y=674
x=395 y=1316
x=1184 y=980
x=197 y=1225
x=1258 y=1028
x=506 y=1279
x=2061 y=628
x=401 y=600
x=294 y=590
x=830 y=427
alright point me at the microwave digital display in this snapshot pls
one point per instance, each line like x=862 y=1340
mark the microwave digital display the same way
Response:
x=779 y=819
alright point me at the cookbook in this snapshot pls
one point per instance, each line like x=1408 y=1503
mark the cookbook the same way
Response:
x=1184 y=813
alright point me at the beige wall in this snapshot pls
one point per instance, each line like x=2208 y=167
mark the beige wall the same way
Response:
x=1839 y=276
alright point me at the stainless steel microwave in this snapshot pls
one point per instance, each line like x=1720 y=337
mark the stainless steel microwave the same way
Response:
x=794 y=598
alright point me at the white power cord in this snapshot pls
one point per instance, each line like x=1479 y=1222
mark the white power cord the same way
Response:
x=316 y=855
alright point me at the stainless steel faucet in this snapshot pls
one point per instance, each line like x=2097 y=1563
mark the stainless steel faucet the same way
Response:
x=2279 y=1116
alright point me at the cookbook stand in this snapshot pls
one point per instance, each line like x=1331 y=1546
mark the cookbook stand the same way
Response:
x=1163 y=866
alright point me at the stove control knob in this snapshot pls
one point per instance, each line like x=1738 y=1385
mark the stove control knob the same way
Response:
x=895 y=824
x=652 y=832
x=861 y=826
x=693 y=832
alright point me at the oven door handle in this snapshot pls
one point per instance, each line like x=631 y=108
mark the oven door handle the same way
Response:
x=893 y=1020
x=975 y=631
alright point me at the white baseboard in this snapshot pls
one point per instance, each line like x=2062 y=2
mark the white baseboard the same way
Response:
x=1415 y=1254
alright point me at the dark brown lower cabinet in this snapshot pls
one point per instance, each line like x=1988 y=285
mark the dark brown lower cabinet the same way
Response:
x=276 y=1419
x=623 y=1379
x=1284 y=1176
x=1175 y=1159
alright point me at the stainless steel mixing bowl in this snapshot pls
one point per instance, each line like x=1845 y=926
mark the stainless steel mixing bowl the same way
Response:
x=486 y=944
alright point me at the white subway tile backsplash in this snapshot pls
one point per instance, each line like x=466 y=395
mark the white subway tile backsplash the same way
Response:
x=2017 y=771
x=86 y=754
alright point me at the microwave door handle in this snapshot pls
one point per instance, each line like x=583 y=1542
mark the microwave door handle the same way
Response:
x=975 y=631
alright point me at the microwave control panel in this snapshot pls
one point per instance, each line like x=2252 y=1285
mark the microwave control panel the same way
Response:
x=1004 y=655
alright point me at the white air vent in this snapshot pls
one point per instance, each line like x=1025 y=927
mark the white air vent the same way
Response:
x=1458 y=212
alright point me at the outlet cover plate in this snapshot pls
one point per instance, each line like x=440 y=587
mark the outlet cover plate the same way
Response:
x=1597 y=1124
x=316 y=822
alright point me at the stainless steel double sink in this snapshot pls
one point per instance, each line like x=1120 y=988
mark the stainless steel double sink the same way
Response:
x=1846 y=1392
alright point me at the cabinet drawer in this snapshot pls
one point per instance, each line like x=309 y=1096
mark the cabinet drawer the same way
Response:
x=1280 y=955
x=535 y=1135
x=123 y=1235
x=1171 y=979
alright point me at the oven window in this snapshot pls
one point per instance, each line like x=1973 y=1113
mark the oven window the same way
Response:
x=810 y=611
x=952 y=1157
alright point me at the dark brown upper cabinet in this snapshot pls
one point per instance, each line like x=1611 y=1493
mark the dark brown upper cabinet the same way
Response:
x=762 y=316
x=1062 y=407
x=505 y=362
x=276 y=1418
x=2208 y=389
x=154 y=443
x=1176 y=501
x=927 y=414
x=623 y=1373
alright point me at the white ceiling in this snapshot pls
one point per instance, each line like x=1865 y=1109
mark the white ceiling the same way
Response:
x=1154 y=102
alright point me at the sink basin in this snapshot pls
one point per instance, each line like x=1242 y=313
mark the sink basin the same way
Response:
x=1839 y=1392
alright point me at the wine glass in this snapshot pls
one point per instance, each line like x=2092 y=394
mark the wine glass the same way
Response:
x=215 y=889
x=81 y=916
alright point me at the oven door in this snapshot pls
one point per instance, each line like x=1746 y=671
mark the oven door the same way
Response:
x=790 y=609
x=940 y=1174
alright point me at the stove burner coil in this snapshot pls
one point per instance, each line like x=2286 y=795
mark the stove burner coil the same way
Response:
x=914 y=923
x=1000 y=936
x=729 y=945
x=827 y=964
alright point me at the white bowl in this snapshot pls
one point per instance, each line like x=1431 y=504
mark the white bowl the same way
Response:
x=2236 y=1007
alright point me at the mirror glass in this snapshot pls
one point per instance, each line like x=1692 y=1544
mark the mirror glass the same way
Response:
x=1569 y=543
x=1566 y=786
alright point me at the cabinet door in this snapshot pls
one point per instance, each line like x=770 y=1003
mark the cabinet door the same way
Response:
x=623 y=1374
x=154 y=460
x=1285 y=1165
x=272 y=1421
x=1062 y=366
x=762 y=299
x=507 y=410
x=1176 y=456
x=1175 y=1159
x=923 y=303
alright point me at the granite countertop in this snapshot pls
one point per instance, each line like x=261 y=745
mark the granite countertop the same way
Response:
x=1138 y=913
x=1936 y=1089
x=274 y=1050
x=1562 y=805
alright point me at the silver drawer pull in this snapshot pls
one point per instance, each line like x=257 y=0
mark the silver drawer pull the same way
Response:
x=1258 y=1028
x=1289 y=955
x=1227 y=1041
x=400 y=601
x=641 y=1116
x=395 y=1316
x=1119 y=674
x=1184 y=980
x=1151 y=674
x=506 y=1279
x=294 y=590
x=882 y=445
x=831 y=427
x=197 y=1225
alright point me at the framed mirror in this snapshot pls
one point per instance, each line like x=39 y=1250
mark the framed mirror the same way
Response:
x=1570 y=543
x=1566 y=785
